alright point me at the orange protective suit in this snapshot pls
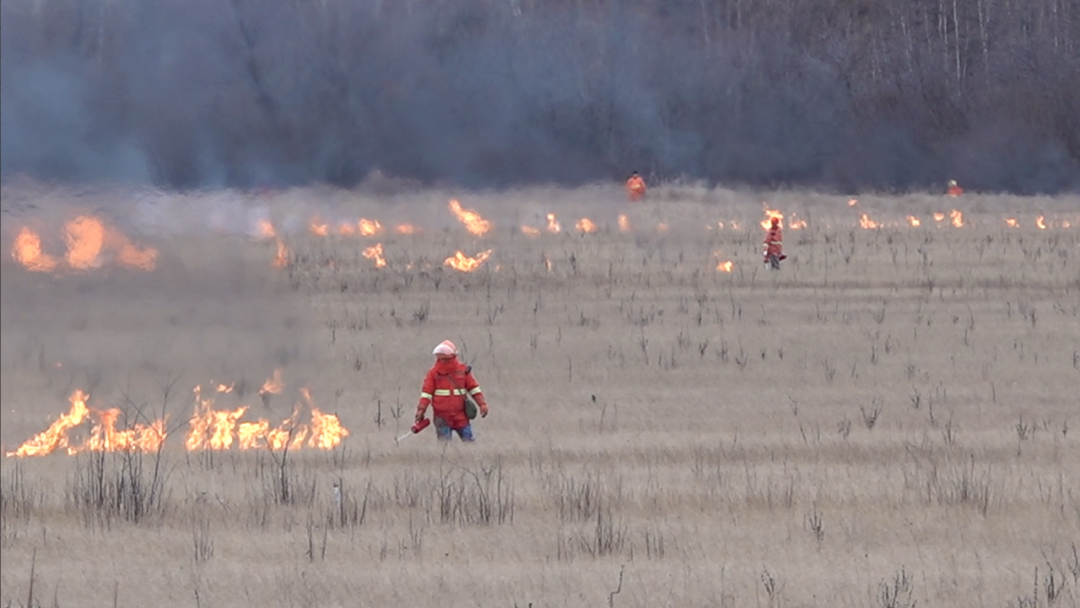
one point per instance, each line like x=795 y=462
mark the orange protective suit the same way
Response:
x=774 y=241
x=445 y=387
x=635 y=186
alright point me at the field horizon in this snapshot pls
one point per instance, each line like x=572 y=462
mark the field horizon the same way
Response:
x=887 y=421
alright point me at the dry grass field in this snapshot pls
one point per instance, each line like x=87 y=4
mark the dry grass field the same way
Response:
x=889 y=420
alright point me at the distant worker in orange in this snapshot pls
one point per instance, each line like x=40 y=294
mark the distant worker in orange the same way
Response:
x=954 y=189
x=774 y=245
x=635 y=186
x=450 y=389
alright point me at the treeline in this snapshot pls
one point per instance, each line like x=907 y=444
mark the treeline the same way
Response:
x=843 y=94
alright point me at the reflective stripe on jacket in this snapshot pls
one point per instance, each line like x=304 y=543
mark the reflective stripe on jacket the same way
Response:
x=774 y=241
x=446 y=391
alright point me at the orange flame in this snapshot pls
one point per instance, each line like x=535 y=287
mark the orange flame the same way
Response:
x=104 y=436
x=27 y=251
x=259 y=434
x=624 y=223
x=287 y=434
x=852 y=202
x=769 y=215
x=725 y=266
x=914 y=221
x=1012 y=223
x=462 y=262
x=56 y=435
x=868 y=223
x=796 y=224
x=1040 y=222
x=282 y=258
x=957 y=218
x=529 y=231
x=135 y=257
x=273 y=385
x=265 y=230
x=346 y=229
x=471 y=219
x=217 y=430
x=209 y=429
x=85 y=237
x=938 y=217
x=325 y=431
x=585 y=225
x=553 y=224
x=319 y=228
x=407 y=229
x=370 y=227
x=375 y=252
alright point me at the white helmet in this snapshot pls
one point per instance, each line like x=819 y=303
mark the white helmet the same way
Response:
x=446 y=347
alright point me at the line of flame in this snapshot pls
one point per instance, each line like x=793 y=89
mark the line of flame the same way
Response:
x=209 y=429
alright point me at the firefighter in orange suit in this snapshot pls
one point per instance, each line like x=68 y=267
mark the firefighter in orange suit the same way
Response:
x=954 y=189
x=774 y=244
x=446 y=387
x=635 y=186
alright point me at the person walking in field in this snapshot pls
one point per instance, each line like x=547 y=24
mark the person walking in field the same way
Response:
x=635 y=187
x=954 y=189
x=449 y=388
x=774 y=245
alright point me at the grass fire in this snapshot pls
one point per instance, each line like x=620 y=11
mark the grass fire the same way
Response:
x=672 y=422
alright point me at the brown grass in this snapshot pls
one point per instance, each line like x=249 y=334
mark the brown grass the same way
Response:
x=886 y=421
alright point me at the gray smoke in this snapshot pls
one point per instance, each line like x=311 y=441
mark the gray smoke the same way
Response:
x=241 y=93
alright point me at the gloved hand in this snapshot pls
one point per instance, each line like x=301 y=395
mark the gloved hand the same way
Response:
x=483 y=410
x=419 y=415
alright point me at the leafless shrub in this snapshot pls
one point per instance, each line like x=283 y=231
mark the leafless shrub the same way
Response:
x=1052 y=585
x=773 y=589
x=1024 y=431
x=1046 y=590
x=870 y=416
x=311 y=529
x=742 y=359
x=608 y=537
x=201 y=540
x=575 y=499
x=654 y=543
x=948 y=433
x=18 y=500
x=347 y=511
x=1074 y=565
x=897 y=593
x=421 y=313
x=960 y=485
x=108 y=486
x=843 y=428
x=475 y=497
x=816 y=525
x=829 y=369
x=282 y=483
